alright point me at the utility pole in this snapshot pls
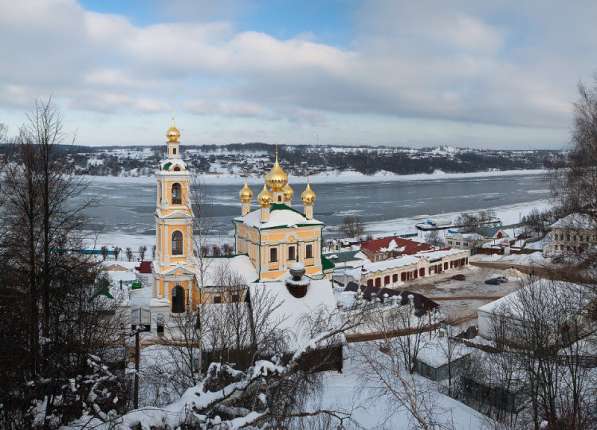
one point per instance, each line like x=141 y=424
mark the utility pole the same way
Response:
x=137 y=354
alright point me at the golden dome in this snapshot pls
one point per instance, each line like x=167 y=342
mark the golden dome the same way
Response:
x=308 y=196
x=288 y=192
x=245 y=194
x=173 y=134
x=277 y=178
x=265 y=197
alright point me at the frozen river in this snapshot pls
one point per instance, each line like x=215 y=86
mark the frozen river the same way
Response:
x=127 y=207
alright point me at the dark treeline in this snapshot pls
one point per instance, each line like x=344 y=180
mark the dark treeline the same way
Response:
x=306 y=159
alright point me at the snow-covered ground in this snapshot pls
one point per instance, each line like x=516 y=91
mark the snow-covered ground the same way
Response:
x=348 y=391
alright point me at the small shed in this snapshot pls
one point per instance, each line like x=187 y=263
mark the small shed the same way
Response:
x=442 y=357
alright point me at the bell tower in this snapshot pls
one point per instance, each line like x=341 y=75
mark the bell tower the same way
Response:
x=174 y=260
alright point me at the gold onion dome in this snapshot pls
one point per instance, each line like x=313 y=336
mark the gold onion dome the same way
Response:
x=173 y=134
x=288 y=192
x=265 y=197
x=277 y=178
x=245 y=194
x=308 y=196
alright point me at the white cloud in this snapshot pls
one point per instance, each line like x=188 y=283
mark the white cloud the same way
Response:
x=464 y=62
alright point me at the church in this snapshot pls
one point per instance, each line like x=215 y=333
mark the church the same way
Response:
x=277 y=243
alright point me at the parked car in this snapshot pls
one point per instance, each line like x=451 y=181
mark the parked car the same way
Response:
x=496 y=280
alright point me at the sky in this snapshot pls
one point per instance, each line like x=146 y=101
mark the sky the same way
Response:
x=499 y=74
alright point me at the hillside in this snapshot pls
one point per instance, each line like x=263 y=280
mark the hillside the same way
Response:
x=253 y=158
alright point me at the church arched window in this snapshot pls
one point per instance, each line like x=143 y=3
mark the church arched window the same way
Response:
x=178 y=301
x=177 y=245
x=176 y=194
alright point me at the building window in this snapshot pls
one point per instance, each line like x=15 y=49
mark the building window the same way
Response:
x=395 y=277
x=445 y=266
x=176 y=194
x=174 y=151
x=386 y=280
x=273 y=255
x=309 y=251
x=177 y=243
x=279 y=199
x=235 y=298
x=217 y=299
x=370 y=283
x=378 y=282
x=403 y=276
x=292 y=253
x=422 y=272
x=178 y=300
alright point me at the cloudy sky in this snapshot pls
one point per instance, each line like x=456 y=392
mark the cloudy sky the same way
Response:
x=416 y=73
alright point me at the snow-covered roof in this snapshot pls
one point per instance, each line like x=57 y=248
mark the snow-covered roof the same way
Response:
x=509 y=303
x=575 y=221
x=442 y=253
x=465 y=236
x=438 y=352
x=293 y=312
x=280 y=215
x=211 y=269
x=392 y=263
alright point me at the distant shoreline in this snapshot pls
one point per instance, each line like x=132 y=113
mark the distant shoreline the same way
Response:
x=326 y=178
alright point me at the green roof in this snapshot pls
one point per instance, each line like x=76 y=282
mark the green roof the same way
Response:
x=326 y=264
x=103 y=290
x=282 y=206
x=343 y=256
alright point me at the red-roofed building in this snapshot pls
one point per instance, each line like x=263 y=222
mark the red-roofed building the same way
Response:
x=391 y=247
x=144 y=267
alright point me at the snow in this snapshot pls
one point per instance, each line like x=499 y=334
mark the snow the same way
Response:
x=508 y=303
x=293 y=312
x=435 y=353
x=329 y=177
x=393 y=263
x=210 y=269
x=532 y=259
x=347 y=391
x=576 y=221
x=277 y=218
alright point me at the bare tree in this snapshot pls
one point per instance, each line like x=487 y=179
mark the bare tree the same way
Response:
x=41 y=227
x=116 y=252
x=542 y=330
x=104 y=252
x=352 y=226
x=129 y=254
x=434 y=238
x=142 y=251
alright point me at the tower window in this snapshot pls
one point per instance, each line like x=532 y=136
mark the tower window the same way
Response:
x=309 y=251
x=273 y=255
x=177 y=243
x=292 y=253
x=178 y=302
x=174 y=151
x=176 y=194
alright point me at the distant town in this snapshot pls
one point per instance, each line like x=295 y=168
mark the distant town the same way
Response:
x=250 y=159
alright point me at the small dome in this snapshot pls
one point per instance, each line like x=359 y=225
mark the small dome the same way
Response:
x=265 y=197
x=173 y=134
x=245 y=194
x=288 y=192
x=308 y=196
x=277 y=178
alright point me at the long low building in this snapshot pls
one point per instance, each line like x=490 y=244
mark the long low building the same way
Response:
x=396 y=272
